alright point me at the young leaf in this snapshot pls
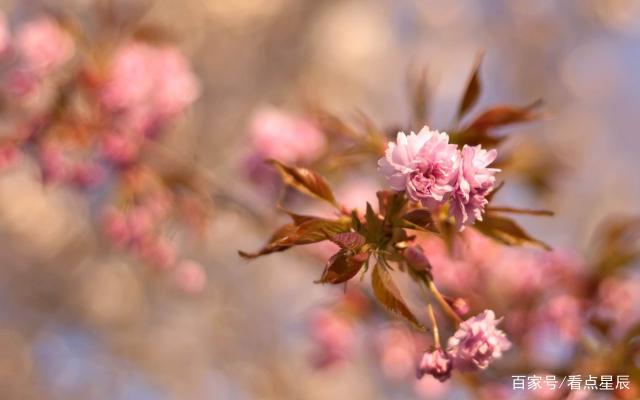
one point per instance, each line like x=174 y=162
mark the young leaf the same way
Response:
x=507 y=231
x=348 y=240
x=374 y=229
x=472 y=92
x=503 y=115
x=310 y=231
x=389 y=295
x=305 y=181
x=419 y=219
x=418 y=86
x=342 y=267
x=390 y=204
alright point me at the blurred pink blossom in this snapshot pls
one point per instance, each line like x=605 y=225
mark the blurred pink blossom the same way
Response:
x=148 y=83
x=333 y=336
x=284 y=137
x=54 y=164
x=398 y=350
x=474 y=182
x=425 y=165
x=115 y=226
x=477 y=342
x=619 y=302
x=119 y=149
x=5 y=35
x=190 y=277
x=9 y=154
x=157 y=251
x=43 y=45
x=87 y=174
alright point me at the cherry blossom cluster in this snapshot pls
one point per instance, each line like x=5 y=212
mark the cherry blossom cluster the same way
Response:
x=434 y=172
x=89 y=115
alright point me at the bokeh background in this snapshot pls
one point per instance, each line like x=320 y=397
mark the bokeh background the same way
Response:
x=80 y=321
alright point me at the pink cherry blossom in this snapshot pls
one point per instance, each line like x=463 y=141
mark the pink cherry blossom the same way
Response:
x=333 y=336
x=287 y=138
x=148 y=83
x=190 y=276
x=8 y=155
x=474 y=182
x=424 y=165
x=116 y=227
x=157 y=251
x=5 y=35
x=477 y=342
x=87 y=175
x=119 y=149
x=398 y=351
x=436 y=363
x=43 y=45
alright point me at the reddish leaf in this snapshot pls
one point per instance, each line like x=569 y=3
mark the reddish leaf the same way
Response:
x=342 y=267
x=419 y=97
x=305 y=181
x=472 y=91
x=349 y=240
x=507 y=231
x=419 y=218
x=310 y=231
x=388 y=294
x=503 y=115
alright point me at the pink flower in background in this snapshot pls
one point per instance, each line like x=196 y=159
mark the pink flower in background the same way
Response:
x=477 y=342
x=148 y=83
x=398 y=350
x=190 y=277
x=177 y=87
x=436 y=363
x=130 y=78
x=290 y=139
x=119 y=149
x=5 y=35
x=619 y=302
x=157 y=251
x=43 y=45
x=333 y=336
x=54 y=164
x=116 y=227
x=425 y=165
x=475 y=181
x=9 y=153
x=87 y=175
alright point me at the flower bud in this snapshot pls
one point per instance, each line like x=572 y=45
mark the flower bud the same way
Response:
x=416 y=259
x=437 y=364
x=459 y=305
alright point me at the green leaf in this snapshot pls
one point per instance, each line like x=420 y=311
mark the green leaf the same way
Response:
x=388 y=294
x=342 y=267
x=305 y=181
x=507 y=231
x=309 y=231
x=472 y=91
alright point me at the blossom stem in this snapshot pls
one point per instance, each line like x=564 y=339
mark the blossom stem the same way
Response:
x=443 y=303
x=434 y=324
